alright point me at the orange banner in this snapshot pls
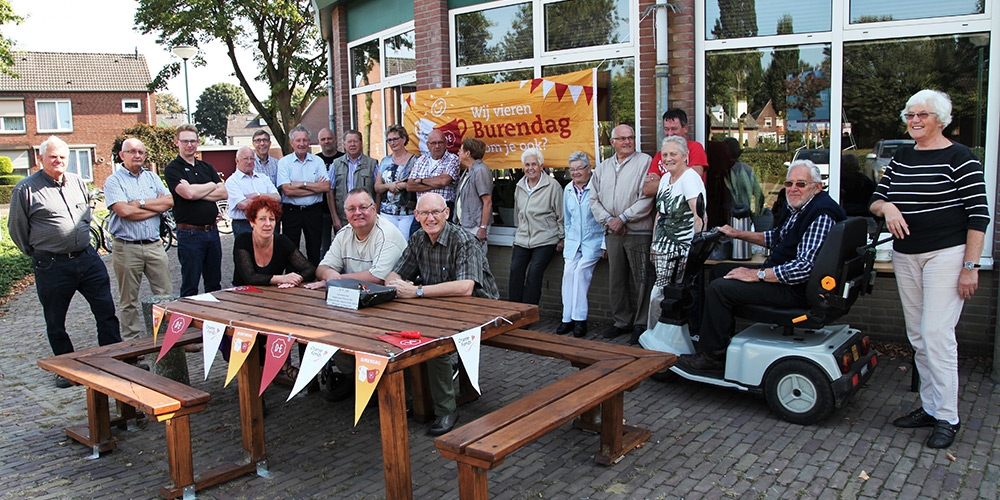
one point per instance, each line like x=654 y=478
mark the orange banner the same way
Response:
x=556 y=115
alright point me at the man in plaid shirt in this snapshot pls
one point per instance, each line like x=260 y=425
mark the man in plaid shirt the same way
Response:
x=436 y=172
x=781 y=281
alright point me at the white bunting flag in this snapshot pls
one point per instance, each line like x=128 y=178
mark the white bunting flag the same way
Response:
x=313 y=360
x=211 y=337
x=467 y=345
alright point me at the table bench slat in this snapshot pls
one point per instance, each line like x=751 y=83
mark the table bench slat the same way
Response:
x=187 y=395
x=137 y=395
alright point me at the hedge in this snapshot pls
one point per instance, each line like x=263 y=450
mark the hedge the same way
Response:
x=14 y=265
x=5 y=192
x=10 y=179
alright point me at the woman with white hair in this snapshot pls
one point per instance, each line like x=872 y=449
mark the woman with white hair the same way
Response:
x=933 y=199
x=538 y=210
x=583 y=246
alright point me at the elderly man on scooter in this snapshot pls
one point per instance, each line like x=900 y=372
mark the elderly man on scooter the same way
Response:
x=781 y=281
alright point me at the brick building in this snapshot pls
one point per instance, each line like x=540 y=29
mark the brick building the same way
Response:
x=84 y=99
x=695 y=55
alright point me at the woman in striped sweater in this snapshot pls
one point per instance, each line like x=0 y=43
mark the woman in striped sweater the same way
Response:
x=933 y=199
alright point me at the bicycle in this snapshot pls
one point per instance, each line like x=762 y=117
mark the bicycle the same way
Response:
x=168 y=229
x=100 y=234
x=225 y=224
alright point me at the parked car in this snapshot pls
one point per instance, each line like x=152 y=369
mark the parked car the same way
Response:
x=878 y=159
x=821 y=157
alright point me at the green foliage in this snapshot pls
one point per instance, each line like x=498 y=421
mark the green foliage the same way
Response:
x=14 y=265
x=6 y=165
x=7 y=16
x=159 y=143
x=5 y=192
x=167 y=104
x=769 y=167
x=10 y=179
x=282 y=34
x=215 y=105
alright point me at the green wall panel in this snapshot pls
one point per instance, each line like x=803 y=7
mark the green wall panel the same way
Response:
x=367 y=17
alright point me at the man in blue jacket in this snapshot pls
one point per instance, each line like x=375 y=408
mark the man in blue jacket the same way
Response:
x=781 y=281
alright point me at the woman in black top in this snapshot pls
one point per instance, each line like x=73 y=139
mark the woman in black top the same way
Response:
x=933 y=199
x=261 y=257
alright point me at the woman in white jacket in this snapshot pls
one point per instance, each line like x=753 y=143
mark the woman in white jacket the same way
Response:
x=582 y=248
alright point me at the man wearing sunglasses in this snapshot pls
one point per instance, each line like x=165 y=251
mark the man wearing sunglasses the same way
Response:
x=809 y=215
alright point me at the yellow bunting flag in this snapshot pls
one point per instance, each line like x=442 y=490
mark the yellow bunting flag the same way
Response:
x=240 y=348
x=555 y=114
x=157 y=319
x=370 y=368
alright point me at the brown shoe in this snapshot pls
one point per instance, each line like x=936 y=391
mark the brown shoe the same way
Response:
x=705 y=361
x=192 y=348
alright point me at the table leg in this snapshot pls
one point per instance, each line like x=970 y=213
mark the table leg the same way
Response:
x=423 y=405
x=395 y=436
x=251 y=409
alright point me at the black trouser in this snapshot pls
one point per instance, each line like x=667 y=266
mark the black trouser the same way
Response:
x=296 y=220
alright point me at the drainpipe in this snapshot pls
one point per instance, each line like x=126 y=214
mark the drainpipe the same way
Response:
x=662 y=69
x=324 y=21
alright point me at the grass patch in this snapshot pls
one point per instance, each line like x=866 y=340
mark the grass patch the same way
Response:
x=14 y=265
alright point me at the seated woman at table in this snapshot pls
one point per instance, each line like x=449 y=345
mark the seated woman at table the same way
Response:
x=261 y=257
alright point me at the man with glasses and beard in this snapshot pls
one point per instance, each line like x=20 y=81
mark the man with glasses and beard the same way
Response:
x=809 y=215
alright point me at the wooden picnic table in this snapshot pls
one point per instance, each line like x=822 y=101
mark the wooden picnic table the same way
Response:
x=305 y=315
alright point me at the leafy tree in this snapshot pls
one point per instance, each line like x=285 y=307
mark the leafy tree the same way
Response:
x=518 y=43
x=281 y=33
x=7 y=16
x=804 y=95
x=167 y=104
x=159 y=142
x=215 y=105
x=473 y=39
x=577 y=24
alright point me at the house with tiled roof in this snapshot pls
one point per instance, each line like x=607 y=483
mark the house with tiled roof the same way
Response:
x=84 y=99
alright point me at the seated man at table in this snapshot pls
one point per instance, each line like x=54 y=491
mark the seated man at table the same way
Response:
x=451 y=263
x=809 y=215
x=367 y=249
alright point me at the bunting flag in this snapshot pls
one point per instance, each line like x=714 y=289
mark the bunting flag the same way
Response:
x=556 y=114
x=243 y=339
x=278 y=348
x=157 y=319
x=467 y=346
x=211 y=337
x=175 y=328
x=370 y=368
x=313 y=360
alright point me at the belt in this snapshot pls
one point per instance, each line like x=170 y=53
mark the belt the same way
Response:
x=137 y=242
x=65 y=255
x=196 y=228
x=289 y=207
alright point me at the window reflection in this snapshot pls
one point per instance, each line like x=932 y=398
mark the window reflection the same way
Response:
x=370 y=121
x=585 y=23
x=871 y=11
x=494 y=35
x=399 y=54
x=495 y=77
x=365 y=64
x=746 y=18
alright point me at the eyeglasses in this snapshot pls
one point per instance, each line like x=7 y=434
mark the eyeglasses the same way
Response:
x=798 y=184
x=424 y=213
x=358 y=209
x=626 y=138
x=257 y=141
x=581 y=169
x=436 y=143
x=393 y=139
x=922 y=115
x=139 y=152
x=188 y=141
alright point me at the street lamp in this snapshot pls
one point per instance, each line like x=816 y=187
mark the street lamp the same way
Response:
x=186 y=52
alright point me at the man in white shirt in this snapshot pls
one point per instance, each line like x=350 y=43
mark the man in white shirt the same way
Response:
x=244 y=186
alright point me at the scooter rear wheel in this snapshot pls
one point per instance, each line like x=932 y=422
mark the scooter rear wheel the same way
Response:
x=799 y=392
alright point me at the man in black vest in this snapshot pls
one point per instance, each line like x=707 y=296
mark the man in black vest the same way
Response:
x=781 y=281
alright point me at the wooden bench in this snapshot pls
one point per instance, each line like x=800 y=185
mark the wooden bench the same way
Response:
x=106 y=372
x=607 y=372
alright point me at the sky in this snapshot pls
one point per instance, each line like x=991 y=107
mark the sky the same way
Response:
x=106 y=26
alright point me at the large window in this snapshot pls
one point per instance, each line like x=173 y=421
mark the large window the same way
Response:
x=80 y=164
x=818 y=76
x=12 y=116
x=383 y=67
x=54 y=115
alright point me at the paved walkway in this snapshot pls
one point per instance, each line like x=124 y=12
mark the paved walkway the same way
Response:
x=707 y=442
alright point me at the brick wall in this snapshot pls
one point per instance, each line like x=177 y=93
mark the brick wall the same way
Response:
x=430 y=22
x=97 y=120
x=681 y=59
x=341 y=72
x=879 y=314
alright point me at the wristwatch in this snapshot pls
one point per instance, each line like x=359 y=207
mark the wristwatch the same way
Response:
x=482 y=227
x=420 y=292
x=761 y=274
x=969 y=266
x=142 y=203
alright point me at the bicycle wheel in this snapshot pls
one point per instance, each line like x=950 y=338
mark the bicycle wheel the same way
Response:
x=95 y=238
x=225 y=224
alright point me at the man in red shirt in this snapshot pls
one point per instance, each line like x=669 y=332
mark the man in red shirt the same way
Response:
x=675 y=123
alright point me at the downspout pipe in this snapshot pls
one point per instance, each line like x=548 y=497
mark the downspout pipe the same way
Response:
x=661 y=71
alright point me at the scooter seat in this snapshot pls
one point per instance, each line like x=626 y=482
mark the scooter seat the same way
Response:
x=781 y=316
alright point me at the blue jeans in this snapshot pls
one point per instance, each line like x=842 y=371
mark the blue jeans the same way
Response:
x=58 y=278
x=241 y=226
x=527 y=266
x=200 y=253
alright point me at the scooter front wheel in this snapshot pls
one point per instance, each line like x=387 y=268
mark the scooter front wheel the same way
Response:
x=799 y=392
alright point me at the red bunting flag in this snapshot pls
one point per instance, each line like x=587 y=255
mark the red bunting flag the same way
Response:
x=175 y=327
x=278 y=348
